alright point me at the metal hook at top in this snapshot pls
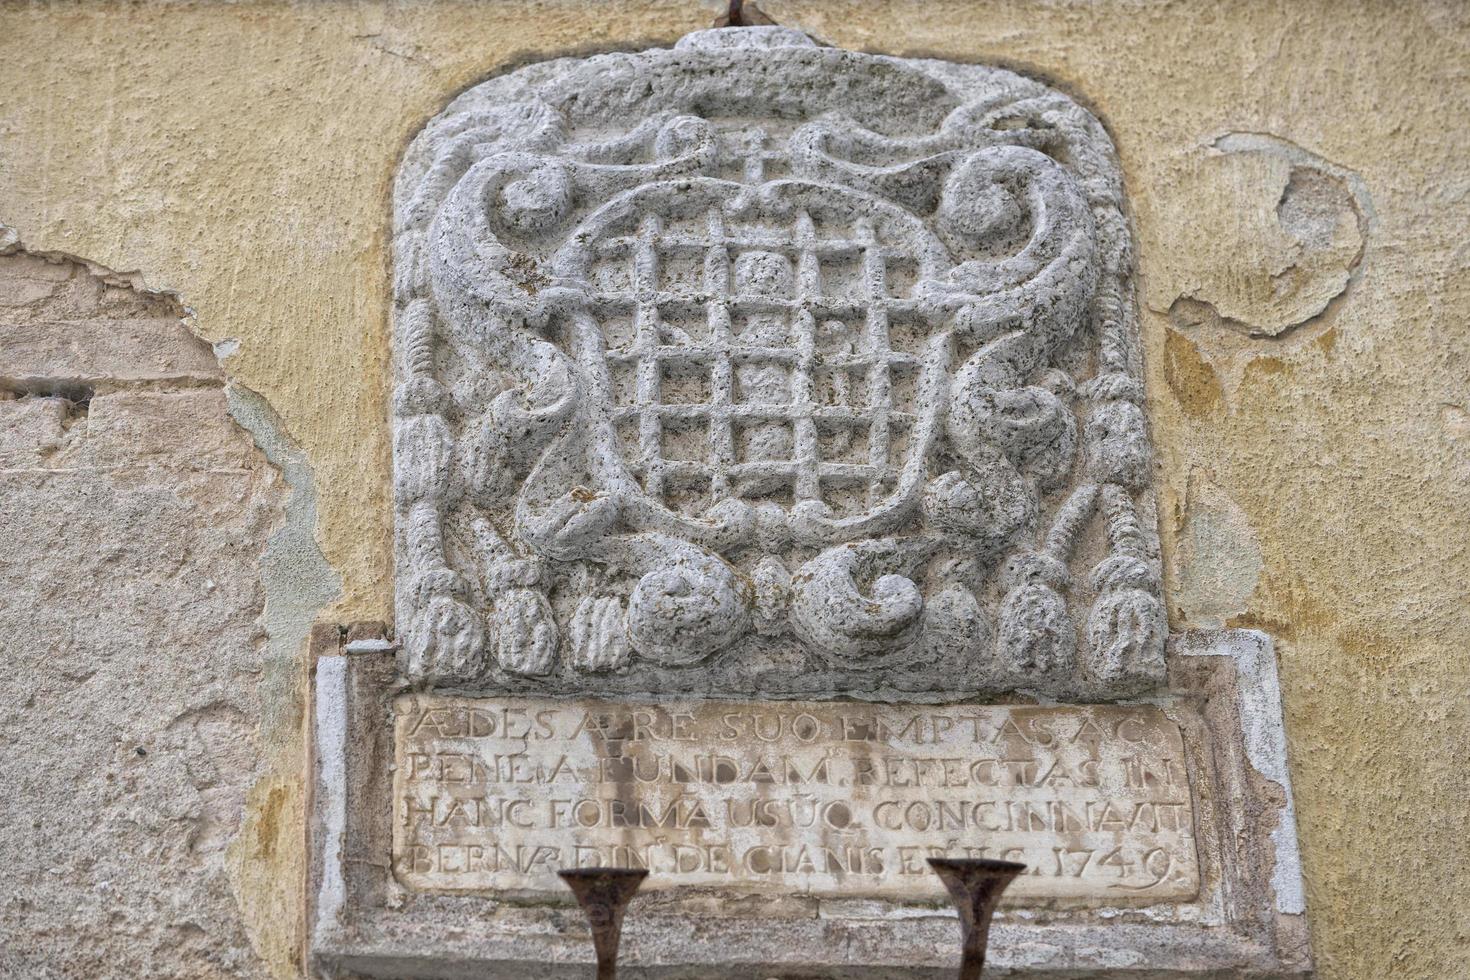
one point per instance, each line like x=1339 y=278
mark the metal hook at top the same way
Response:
x=742 y=14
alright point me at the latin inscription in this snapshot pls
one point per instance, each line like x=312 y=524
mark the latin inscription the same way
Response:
x=829 y=799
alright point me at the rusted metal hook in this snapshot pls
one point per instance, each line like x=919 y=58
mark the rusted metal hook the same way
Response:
x=742 y=14
x=604 y=894
x=975 y=886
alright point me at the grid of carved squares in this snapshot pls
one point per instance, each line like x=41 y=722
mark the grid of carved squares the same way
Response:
x=793 y=385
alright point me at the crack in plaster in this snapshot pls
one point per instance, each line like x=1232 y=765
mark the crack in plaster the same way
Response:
x=297 y=579
x=11 y=243
x=298 y=583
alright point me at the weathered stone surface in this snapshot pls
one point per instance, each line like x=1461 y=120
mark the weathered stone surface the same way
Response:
x=819 y=369
x=150 y=135
x=63 y=328
x=753 y=367
x=133 y=525
x=813 y=798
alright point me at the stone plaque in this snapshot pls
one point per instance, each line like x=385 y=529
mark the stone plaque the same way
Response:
x=835 y=799
x=757 y=406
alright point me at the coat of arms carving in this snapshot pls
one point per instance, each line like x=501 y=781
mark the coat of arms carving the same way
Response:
x=758 y=367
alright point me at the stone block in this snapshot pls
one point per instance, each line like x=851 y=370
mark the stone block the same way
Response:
x=1181 y=860
x=43 y=355
x=189 y=429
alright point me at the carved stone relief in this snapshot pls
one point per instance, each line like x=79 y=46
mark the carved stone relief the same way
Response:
x=758 y=367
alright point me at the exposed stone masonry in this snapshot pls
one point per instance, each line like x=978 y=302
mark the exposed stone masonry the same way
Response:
x=133 y=514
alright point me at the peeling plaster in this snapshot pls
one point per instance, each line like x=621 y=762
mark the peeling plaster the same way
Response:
x=158 y=479
x=298 y=583
x=1245 y=142
x=1288 y=236
x=1217 y=560
x=11 y=242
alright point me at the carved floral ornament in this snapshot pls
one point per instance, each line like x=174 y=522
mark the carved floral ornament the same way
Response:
x=758 y=366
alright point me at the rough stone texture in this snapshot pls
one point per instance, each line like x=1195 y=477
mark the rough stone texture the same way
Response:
x=65 y=332
x=135 y=513
x=230 y=149
x=814 y=369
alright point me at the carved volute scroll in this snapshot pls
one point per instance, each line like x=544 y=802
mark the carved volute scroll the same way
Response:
x=758 y=367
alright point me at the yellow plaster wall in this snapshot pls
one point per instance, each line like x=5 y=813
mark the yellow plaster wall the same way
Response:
x=1316 y=484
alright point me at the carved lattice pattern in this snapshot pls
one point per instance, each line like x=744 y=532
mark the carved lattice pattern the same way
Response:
x=846 y=382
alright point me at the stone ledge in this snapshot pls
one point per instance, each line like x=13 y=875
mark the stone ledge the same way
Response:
x=365 y=923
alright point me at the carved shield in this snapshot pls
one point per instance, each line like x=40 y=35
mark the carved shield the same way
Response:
x=757 y=367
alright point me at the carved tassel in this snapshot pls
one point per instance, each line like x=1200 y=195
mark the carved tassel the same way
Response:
x=1036 y=637
x=1125 y=631
x=444 y=642
x=1127 y=626
x=599 y=634
x=525 y=633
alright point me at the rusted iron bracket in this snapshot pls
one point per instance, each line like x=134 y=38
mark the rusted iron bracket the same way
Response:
x=604 y=894
x=975 y=886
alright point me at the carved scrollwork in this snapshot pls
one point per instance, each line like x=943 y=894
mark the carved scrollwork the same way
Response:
x=673 y=325
x=851 y=624
x=687 y=608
